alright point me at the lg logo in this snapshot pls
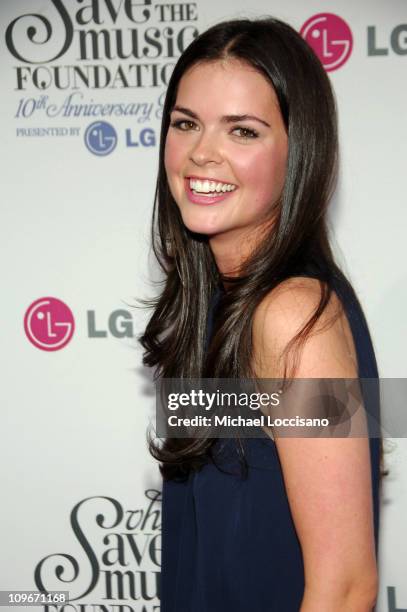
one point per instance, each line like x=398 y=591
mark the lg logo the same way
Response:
x=398 y=41
x=119 y=325
x=101 y=138
x=49 y=324
x=330 y=37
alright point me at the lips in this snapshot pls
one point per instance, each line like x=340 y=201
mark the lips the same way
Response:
x=205 y=200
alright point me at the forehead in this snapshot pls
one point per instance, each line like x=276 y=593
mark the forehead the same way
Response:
x=227 y=87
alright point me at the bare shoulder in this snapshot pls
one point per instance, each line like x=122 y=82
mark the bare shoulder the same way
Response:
x=328 y=350
x=319 y=474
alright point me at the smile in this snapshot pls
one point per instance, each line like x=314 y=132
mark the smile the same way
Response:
x=206 y=191
x=208 y=186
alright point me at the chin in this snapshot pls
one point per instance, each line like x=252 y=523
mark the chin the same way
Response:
x=200 y=228
x=200 y=223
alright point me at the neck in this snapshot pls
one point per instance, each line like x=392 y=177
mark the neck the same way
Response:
x=232 y=249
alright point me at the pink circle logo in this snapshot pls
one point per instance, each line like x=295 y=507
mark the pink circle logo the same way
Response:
x=49 y=324
x=330 y=37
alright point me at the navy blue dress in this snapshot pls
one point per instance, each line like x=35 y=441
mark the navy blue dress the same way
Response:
x=229 y=543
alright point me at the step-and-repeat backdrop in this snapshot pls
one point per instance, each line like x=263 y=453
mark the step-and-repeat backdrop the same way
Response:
x=82 y=87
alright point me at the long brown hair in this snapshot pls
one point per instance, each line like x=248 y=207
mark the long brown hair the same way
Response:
x=174 y=339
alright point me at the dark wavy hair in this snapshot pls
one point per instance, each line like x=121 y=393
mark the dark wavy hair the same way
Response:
x=174 y=339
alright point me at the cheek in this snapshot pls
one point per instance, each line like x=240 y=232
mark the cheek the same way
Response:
x=173 y=156
x=168 y=155
x=263 y=173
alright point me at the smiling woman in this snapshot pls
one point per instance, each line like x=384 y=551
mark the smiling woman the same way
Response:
x=237 y=143
x=247 y=166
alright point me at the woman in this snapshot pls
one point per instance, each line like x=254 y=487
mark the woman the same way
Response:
x=247 y=166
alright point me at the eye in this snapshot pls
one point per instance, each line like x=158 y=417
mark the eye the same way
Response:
x=246 y=132
x=182 y=124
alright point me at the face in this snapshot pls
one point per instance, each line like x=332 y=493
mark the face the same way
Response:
x=226 y=149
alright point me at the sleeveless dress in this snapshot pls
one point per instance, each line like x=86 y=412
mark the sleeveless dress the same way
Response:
x=229 y=544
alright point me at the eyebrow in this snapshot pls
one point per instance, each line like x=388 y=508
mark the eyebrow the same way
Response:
x=225 y=118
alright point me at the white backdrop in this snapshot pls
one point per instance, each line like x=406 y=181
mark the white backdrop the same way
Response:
x=79 y=489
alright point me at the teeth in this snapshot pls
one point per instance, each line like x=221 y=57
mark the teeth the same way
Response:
x=210 y=186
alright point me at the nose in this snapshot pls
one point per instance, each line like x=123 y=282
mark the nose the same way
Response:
x=206 y=150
